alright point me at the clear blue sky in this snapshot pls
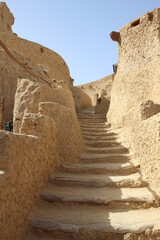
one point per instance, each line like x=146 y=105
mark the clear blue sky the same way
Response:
x=78 y=30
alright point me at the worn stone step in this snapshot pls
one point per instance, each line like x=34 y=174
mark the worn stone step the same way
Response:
x=89 y=122
x=98 y=168
x=98 y=134
x=96 y=130
x=111 y=197
x=100 y=180
x=100 y=137
x=98 y=157
x=92 y=125
x=90 y=219
x=116 y=149
x=93 y=116
x=101 y=143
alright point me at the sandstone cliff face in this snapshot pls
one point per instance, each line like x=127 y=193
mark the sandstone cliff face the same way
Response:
x=138 y=72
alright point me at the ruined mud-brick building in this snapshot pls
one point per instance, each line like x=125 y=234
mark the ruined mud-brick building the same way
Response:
x=135 y=103
x=66 y=173
x=34 y=80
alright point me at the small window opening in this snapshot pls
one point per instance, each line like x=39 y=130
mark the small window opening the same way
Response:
x=2 y=16
x=150 y=16
x=99 y=100
x=42 y=50
x=135 y=23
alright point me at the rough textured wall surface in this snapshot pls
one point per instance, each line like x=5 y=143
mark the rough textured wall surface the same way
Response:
x=6 y=18
x=102 y=105
x=58 y=69
x=135 y=94
x=37 y=58
x=81 y=98
x=138 y=76
x=30 y=93
x=47 y=133
x=48 y=137
x=11 y=72
x=26 y=162
x=98 y=88
x=69 y=138
x=55 y=102
x=141 y=131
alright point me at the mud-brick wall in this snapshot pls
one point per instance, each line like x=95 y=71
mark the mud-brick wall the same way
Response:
x=138 y=76
x=6 y=18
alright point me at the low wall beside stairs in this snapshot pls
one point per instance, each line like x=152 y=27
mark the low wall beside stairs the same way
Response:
x=48 y=136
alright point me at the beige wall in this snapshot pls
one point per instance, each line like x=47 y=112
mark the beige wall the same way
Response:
x=141 y=133
x=6 y=18
x=81 y=98
x=48 y=136
x=135 y=98
x=10 y=73
x=27 y=162
x=95 y=89
x=138 y=66
x=39 y=54
x=48 y=65
x=37 y=58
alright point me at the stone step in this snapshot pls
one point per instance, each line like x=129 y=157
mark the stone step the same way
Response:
x=84 y=122
x=101 y=143
x=98 y=134
x=98 y=125
x=99 y=180
x=91 y=116
x=100 y=168
x=62 y=218
x=111 y=197
x=97 y=158
x=81 y=119
x=100 y=137
x=100 y=130
x=116 y=149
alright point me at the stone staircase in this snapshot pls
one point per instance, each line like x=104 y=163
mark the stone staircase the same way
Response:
x=102 y=197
